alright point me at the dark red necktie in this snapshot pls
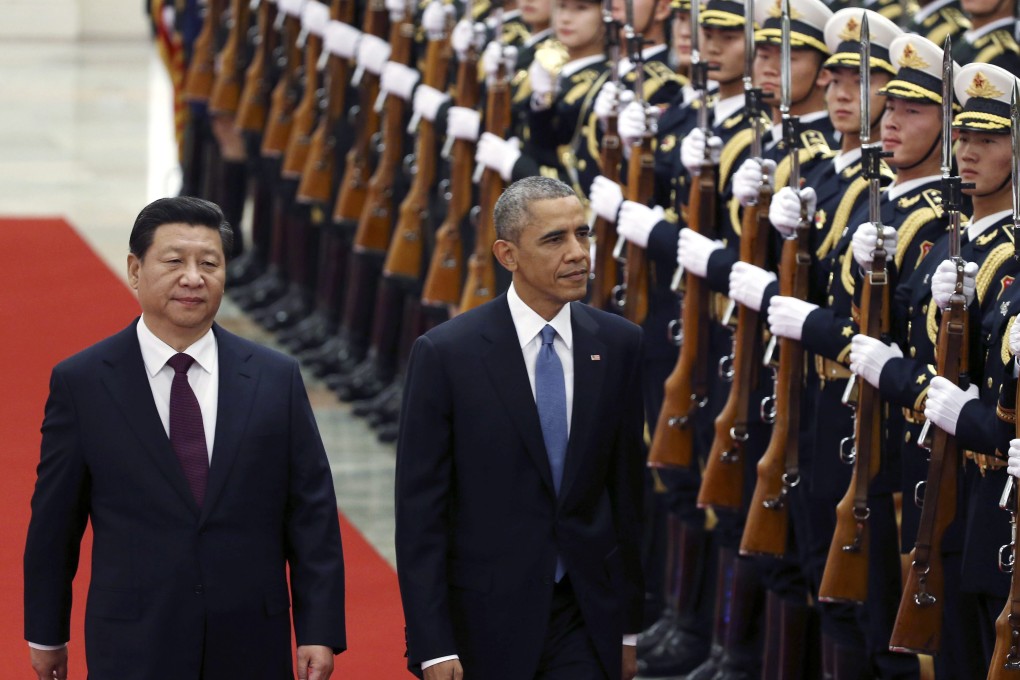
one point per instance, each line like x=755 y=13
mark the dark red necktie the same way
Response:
x=187 y=433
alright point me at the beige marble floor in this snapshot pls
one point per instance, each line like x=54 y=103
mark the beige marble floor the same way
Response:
x=86 y=133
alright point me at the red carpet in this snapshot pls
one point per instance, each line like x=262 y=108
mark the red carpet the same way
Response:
x=61 y=298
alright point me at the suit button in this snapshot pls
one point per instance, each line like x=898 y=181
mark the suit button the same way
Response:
x=199 y=589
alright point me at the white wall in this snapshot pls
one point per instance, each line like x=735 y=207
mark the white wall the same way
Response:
x=72 y=19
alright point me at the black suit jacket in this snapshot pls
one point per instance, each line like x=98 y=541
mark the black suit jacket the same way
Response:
x=479 y=525
x=176 y=590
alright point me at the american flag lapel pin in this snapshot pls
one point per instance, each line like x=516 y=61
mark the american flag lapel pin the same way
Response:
x=596 y=357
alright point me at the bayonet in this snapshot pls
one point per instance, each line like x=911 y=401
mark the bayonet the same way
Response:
x=1014 y=128
x=791 y=123
x=871 y=155
x=752 y=94
x=699 y=69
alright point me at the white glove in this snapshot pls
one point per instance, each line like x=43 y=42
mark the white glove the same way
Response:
x=315 y=18
x=397 y=9
x=398 y=80
x=611 y=99
x=373 y=53
x=945 y=402
x=605 y=197
x=633 y=121
x=865 y=239
x=747 y=179
x=1014 y=337
x=692 y=150
x=427 y=101
x=748 y=284
x=498 y=154
x=462 y=36
x=636 y=222
x=784 y=212
x=433 y=20
x=542 y=84
x=463 y=123
x=1013 y=464
x=693 y=251
x=943 y=283
x=868 y=356
x=787 y=316
x=491 y=59
x=342 y=39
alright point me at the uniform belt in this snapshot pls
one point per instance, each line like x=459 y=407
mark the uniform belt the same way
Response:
x=828 y=369
x=914 y=417
x=984 y=461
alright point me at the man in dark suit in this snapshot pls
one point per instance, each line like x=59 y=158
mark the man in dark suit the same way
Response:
x=195 y=455
x=519 y=468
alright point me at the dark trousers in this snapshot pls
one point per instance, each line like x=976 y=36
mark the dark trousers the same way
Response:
x=568 y=653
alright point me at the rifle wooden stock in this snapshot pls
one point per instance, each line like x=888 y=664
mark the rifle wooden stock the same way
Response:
x=198 y=81
x=252 y=108
x=1006 y=655
x=640 y=187
x=350 y=201
x=404 y=258
x=605 y=278
x=226 y=91
x=285 y=95
x=300 y=141
x=377 y=217
x=722 y=483
x=686 y=388
x=918 y=626
x=446 y=270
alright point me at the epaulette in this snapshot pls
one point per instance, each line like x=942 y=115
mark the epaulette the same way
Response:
x=947 y=21
x=658 y=74
x=990 y=267
x=995 y=44
x=733 y=121
x=480 y=9
x=840 y=218
x=913 y=224
x=1005 y=354
x=580 y=83
x=515 y=33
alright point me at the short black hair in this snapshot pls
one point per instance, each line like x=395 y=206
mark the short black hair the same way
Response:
x=178 y=210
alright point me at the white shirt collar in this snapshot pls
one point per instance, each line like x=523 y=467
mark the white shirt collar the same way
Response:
x=975 y=229
x=842 y=161
x=155 y=352
x=777 y=129
x=929 y=9
x=572 y=67
x=626 y=65
x=974 y=35
x=897 y=189
x=724 y=108
x=530 y=323
x=537 y=37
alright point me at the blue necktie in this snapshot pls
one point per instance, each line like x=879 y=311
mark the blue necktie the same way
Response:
x=551 y=399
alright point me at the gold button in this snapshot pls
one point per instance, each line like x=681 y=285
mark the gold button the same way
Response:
x=830 y=300
x=913 y=352
x=990 y=383
x=906 y=437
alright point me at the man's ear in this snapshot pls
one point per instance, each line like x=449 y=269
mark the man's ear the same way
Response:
x=133 y=265
x=663 y=8
x=506 y=254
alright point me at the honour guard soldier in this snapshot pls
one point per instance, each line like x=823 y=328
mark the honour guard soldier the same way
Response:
x=937 y=20
x=991 y=38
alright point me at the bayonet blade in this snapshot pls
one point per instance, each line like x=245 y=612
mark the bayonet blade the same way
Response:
x=748 y=41
x=865 y=72
x=947 y=107
x=1014 y=128
x=785 y=84
x=695 y=32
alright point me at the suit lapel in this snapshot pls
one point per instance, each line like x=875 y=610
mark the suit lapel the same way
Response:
x=238 y=380
x=588 y=377
x=127 y=382
x=505 y=364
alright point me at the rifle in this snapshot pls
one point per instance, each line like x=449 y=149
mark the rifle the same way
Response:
x=686 y=388
x=198 y=82
x=404 y=258
x=846 y=570
x=254 y=102
x=446 y=270
x=226 y=91
x=604 y=279
x=918 y=626
x=722 y=482
x=314 y=18
x=480 y=286
x=284 y=96
x=376 y=220
x=350 y=201
x=766 y=531
x=1006 y=655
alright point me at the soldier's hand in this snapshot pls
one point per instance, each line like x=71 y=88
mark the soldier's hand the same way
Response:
x=943 y=282
x=606 y=197
x=748 y=284
x=373 y=53
x=397 y=9
x=632 y=123
x=1014 y=337
x=787 y=316
x=398 y=80
x=463 y=123
x=464 y=35
x=866 y=239
x=868 y=356
x=498 y=154
x=610 y=100
x=694 y=250
x=342 y=39
x=1013 y=463
x=315 y=18
x=427 y=101
x=542 y=85
x=945 y=401
x=433 y=19
x=494 y=54
x=785 y=210
x=748 y=179
x=693 y=150
x=636 y=222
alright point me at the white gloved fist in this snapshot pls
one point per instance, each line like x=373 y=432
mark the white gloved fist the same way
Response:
x=784 y=212
x=787 y=316
x=498 y=154
x=945 y=402
x=748 y=284
x=866 y=238
x=692 y=150
x=610 y=100
x=342 y=39
x=542 y=84
x=463 y=123
x=463 y=35
x=868 y=356
x=1014 y=337
x=693 y=251
x=398 y=80
x=491 y=59
x=433 y=20
x=636 y=222
x=748 y=177
x=605 y=197
x=1013 y=464
x=373 y=53
x=427 y=101
x=943 y=282
x=397 y=9
x=634 y=120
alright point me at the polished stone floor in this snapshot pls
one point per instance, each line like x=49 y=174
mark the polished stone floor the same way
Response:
x=86 y=134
